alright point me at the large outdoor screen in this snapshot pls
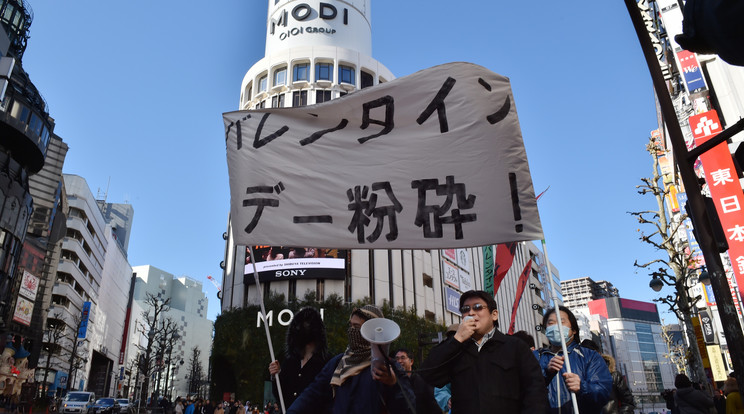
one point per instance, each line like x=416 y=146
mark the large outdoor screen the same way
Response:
x=275 y=263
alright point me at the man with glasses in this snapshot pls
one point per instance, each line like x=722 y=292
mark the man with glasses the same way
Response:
x=487 y=369
x=425 y=402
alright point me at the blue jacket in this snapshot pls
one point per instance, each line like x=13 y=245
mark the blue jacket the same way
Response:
x=359 y=394
x=596 y=381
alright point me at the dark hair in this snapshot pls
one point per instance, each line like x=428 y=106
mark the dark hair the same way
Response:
x=571 y=319
x=407 y=352
x=490 y=301
x=306 y=326
x=525 y=337
x=681 y=381
x=588 y=343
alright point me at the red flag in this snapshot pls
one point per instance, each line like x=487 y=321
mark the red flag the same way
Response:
x=502 y=263
x=523 y=278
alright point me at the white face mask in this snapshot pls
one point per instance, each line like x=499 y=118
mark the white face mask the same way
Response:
x=554 y=334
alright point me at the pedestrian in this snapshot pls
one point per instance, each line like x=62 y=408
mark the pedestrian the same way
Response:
x=690 y=400
x=488 y=371
x=305 y=355
x=589 y=380
x=351 y=383
x=425 y=402
x=179 y=406
x=733 y=398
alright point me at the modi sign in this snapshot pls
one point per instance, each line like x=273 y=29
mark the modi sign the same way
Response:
x=431 y=160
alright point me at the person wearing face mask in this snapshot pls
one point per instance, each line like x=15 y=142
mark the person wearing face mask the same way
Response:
x=589 y=379
x=489 y=372
x=351 y=383
x=306 y=354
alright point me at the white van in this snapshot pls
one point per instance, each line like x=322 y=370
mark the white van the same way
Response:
x=78 y=402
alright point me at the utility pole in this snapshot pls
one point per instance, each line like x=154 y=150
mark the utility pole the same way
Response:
x=685 y=159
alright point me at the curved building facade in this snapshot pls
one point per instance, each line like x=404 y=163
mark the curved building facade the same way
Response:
x=321 y=50
x=25 y=131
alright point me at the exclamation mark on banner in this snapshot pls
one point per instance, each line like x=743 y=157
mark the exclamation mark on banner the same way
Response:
x=515 y=201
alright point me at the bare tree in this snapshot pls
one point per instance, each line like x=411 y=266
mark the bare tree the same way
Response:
x=78 y=353
x=676 y=354
x=196 y=371
x=674 y=269
x=52 y=339
x=150 y=326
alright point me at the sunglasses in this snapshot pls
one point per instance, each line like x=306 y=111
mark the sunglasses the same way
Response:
x=477 y=307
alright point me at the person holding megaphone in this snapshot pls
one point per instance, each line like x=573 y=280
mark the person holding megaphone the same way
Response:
x=351 y=383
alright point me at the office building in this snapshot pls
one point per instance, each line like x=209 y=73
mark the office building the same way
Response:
x=634 y=334
x=188 y=311
x=89 y=299
x=578 y=292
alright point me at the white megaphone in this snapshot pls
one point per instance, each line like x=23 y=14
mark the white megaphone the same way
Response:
x=380 y=332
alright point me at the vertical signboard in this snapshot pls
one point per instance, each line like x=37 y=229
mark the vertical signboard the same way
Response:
x=24 y=309
x=488 y=269
x=724 y=187
x=29 y=285
x=691 y=70
x=450 y=274
x=85 y=314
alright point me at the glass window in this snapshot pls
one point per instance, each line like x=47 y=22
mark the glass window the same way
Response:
x=346 y=75
x=280 y=77
x=299 y=98
x=277 y=101
x=300 y=72
x=367 y=80
x=262 y=84
x=323 y=71
x=322 y=96
x=35 y=124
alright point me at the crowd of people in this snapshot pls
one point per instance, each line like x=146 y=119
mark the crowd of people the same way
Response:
x=202 y=406
x=476 y=369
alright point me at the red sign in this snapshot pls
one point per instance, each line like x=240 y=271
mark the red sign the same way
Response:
x=723 y=183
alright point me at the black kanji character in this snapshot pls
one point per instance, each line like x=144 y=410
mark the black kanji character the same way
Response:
x=364 y=209
x=424 y=213
x=438 y=104
x=388 y=123
x=260 y=203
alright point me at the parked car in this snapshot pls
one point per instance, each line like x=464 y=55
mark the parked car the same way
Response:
x=106 y=406
x=124 y=405
x=78 y=402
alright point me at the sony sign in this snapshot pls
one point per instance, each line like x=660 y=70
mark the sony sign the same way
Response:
x=284 y=317
x=303 y=12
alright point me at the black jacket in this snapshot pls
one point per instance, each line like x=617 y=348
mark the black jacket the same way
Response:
x=294 y=378
x=425 y=402
x=504 y=376
x=621 y=400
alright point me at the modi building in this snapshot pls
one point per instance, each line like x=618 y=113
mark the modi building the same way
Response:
x=322 y=50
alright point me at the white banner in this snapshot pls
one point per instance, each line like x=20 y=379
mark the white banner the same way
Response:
x=431 y=160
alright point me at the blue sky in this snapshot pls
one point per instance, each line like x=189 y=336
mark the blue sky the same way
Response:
x=137 y=89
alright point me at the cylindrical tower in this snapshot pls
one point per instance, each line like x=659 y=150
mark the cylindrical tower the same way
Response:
x=315 y=51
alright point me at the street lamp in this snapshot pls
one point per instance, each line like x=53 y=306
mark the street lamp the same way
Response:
x=656 y=284
x=704 y=277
